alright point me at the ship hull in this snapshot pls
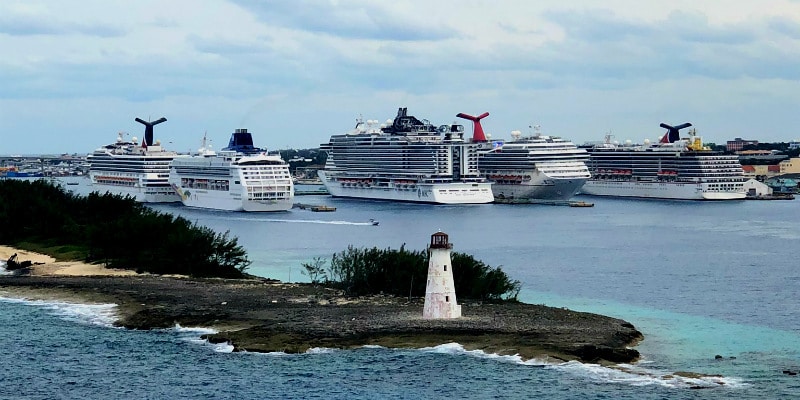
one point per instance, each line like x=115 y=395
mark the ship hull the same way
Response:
x=131 y=186
x=230 y=201
x=438 y=193
x=540 y=188
x=657 y=190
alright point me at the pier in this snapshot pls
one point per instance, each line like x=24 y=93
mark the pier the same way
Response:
x=320 y=191
x=569 y=203
x=314 y=207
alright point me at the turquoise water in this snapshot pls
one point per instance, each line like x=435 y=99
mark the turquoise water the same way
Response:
x=698 y=279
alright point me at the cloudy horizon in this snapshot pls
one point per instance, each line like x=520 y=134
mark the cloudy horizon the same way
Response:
x=296 y=72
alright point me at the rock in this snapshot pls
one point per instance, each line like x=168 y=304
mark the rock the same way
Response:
x=263 y=316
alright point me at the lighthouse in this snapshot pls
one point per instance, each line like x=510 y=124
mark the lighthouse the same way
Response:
x=440 y=290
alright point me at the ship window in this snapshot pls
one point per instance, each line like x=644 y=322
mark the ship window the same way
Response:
x=445 y=267
x=236 y=182
x=447 y=298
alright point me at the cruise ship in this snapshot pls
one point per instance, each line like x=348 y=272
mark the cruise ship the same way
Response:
x=130 y=168
x=534 y=167
x=674 y=168
x=240 y=177
x=406 y=159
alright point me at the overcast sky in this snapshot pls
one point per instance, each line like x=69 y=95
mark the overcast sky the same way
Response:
x=75 y=73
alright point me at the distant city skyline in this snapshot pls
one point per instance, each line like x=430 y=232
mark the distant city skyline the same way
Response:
x=296 y=72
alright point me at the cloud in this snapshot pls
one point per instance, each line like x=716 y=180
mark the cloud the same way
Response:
x=30 y=24
x=354 y=20
x=321 y=63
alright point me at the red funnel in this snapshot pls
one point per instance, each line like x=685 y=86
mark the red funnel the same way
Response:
x=477 y=129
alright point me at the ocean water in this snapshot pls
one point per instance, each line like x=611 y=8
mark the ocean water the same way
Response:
x=698 y=279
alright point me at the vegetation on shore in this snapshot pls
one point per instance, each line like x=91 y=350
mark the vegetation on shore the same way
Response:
x=404 y=273
x=114 y=230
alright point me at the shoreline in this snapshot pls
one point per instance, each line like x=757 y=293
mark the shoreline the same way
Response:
x=265 y=316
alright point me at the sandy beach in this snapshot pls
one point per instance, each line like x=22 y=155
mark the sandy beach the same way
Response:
x=45 y=265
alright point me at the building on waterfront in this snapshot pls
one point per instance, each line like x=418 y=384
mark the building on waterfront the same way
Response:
x=739 y=143
x=782 y=185
x=790 y=166
x=754 y=188
x=440 y=290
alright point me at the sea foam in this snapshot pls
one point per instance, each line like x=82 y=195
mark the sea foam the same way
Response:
x=91 y=314
x=628 y=374
x=194 y=335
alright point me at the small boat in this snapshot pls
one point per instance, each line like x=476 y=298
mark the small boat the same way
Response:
x=373 y=222
x=323 y=208
x=580 y=204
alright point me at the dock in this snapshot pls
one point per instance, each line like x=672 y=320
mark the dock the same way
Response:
x=787 y=196
x=314 y=207
x=320 y=191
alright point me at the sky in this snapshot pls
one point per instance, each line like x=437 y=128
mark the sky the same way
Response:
x=75 y=74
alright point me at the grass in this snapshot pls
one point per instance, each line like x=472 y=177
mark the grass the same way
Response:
x=59 y=252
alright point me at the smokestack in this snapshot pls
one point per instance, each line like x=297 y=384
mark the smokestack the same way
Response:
x=673 y=132
x=477 y=129
x=148 y=129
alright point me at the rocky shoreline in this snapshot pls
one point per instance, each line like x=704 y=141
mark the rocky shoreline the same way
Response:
x=267 y=316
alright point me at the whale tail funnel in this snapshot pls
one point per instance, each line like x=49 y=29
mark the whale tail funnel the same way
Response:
x=148 y=130
x=477 y=130
x=673 y=132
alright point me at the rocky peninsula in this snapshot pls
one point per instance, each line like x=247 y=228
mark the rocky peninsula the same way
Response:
x=266 y=316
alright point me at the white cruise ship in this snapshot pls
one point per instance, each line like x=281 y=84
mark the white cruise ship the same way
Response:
x=407 y=159
x=240 y=177
x=535 y=167
x=675 y=168
x=130 y=168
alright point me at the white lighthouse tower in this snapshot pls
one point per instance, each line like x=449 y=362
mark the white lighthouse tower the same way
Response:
x=440 y=290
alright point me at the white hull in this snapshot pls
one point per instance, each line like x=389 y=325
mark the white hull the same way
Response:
x=229 y=201
x=540 y=187
x=139 y=193
x=657 y=190
x=440 y=193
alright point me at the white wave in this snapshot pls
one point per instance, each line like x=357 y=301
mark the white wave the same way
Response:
x=90 y=314
x=197 y=330
x=321 y=350
x=194 y=335
x=456 y=349
x=634 y=375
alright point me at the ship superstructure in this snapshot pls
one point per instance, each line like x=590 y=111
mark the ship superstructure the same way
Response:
x=406 y=159
x=533 y=167
x=129 y=168
x=673 y=168
x=240 y=177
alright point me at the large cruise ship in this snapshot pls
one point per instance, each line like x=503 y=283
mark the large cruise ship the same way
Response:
x=674 y=168
x=140 y=170
x=240 y=177
x=534 y=167
x=406 y=159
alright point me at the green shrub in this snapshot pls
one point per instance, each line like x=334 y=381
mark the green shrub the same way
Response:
x=404 y=273
x=113 y=230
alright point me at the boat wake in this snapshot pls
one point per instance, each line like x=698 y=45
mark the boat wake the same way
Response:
x=305 y=221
